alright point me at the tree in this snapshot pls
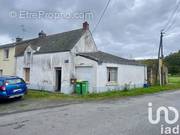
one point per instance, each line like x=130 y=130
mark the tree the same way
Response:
x=173 y=63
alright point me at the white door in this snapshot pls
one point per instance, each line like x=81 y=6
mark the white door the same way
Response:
x=85 y=74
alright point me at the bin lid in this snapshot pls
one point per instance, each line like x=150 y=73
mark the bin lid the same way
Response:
x=79 y=81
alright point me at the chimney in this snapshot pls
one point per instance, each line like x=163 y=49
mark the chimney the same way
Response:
x=18 y=39
x=85 y=26
x=42 y=34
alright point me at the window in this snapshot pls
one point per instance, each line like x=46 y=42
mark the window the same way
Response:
x=6 y=53
x=27 y=74
x=28 y=57
x=112 y=74
x=14 y=81
x=1 y=83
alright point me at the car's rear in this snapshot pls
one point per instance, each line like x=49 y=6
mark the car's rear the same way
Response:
x=12 y=87
x=2 y=89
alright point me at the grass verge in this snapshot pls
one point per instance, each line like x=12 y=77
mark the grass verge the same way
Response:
x=174 y=79
x=104 y=95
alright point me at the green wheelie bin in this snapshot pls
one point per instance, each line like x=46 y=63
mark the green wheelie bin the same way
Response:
x=78 y=88
x=84 y=86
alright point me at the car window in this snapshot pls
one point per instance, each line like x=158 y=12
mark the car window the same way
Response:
x=14 y=81
x=1 y=82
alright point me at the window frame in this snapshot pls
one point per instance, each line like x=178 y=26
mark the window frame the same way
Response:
x=6 y=53
x=28 y=57
x=1 y=82
x=109 y=74
x=15 y=81
x=27 y=77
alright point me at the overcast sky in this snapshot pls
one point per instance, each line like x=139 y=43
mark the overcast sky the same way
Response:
x=129 y=28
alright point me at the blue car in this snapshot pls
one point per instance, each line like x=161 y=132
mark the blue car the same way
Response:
x=12 y=87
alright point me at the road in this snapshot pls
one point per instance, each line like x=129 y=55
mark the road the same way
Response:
x=128 y=116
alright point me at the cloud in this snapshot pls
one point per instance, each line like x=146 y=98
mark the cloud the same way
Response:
x=128 y=29
x=5 y=39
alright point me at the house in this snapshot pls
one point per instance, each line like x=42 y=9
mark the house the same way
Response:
x=108 y=72
x=50 y=62
x=7 y=59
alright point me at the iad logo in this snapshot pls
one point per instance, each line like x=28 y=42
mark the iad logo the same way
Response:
x=166 y=114
x=165 y=110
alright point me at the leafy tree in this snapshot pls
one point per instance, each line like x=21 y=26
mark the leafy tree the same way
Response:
x=173 y=63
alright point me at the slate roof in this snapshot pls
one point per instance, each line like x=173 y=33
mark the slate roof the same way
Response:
x=7 y=45
x=53 y=43
x=102 y=57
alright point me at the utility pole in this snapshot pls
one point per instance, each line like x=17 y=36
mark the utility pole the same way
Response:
x=160 y=60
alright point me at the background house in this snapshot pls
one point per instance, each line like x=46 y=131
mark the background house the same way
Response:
x=7 y=59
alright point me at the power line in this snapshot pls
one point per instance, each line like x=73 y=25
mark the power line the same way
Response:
x=101 y=15
x=172 y=15
x=170 y=26
x=171 y=19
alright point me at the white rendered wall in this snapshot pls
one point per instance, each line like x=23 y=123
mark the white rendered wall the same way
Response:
x=42 y=71
x=131 y=75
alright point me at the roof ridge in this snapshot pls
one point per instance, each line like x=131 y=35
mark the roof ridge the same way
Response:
x=47 y=36
x=64 y=32
x=59 y=42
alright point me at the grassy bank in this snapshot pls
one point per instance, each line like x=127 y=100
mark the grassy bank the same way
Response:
x=174 y=79
x=133 y=92
x=174 y=84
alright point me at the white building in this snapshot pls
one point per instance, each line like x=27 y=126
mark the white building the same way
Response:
x=50 y=62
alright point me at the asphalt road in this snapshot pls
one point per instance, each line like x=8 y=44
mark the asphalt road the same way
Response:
x=127 y=116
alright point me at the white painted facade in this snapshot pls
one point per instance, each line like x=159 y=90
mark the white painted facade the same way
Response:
x=91 y=75
x=130 y=76
x=43 y=69
x=43 y=66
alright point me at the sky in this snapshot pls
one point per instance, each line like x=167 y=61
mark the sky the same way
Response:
x=129 y=28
